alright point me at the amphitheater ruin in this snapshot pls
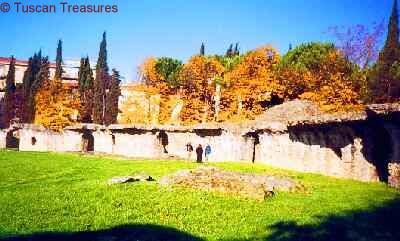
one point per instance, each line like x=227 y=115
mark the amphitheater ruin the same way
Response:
x=360 y=145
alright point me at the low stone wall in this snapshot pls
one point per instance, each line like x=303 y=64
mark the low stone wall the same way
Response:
x=359 y=149
x=335 y=152
x=3 y=136
x=36 y=138
x=394 y=175
x=141 y=145
x=103 y=142
x=225 y=145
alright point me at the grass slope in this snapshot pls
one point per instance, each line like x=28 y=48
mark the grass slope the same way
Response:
x=48 y=196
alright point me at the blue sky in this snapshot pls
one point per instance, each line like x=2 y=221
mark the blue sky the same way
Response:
x=176 y=28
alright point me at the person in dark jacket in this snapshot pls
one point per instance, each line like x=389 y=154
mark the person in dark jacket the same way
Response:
x=199 y=152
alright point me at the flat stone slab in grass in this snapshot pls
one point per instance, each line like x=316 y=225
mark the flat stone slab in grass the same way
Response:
x=254 y=186
x=116 y=180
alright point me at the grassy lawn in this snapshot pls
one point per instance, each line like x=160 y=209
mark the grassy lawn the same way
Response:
x=47 y=196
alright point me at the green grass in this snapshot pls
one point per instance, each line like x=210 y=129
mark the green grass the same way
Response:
x=67 y=195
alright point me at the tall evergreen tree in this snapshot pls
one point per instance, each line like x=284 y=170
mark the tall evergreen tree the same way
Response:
x=26 y=89
x=388 y=85
x=28 y=80
x=42 y=75
x=85 y=82
x=112 y=98
x=9 y=97
x=100 y=83
x=229 y=51
x=59 y=60
x=236 y=50
x=202 y=49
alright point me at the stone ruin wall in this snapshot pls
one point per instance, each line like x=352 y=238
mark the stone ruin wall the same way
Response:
x=138 y=145
x=46 y=140
x=309 y=151
x=340 y=150
x=3 y=135
x=226 y=146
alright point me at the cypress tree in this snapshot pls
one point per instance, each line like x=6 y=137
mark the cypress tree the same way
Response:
x=229 y=51
x=100 y=83
x=112 y=98
x=28 y=80
x=41 y=77
x=26 y=89
x=85 y=82
x=202 y=49
x=236 y=50
x=388 y=85
x=80 y=72
x=59 y=69
x=9 y=97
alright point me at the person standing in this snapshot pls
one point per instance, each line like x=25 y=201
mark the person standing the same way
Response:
x=207 y=151
x=199 y=152
x=189 y=149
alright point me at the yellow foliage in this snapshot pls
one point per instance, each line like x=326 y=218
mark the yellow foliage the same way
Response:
x=252 y=83
x=148 y=72
x=56 y=105
x=198 y=77
x=249 y=83
x=333 y=86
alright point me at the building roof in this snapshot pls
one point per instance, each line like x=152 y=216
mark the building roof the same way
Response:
x=70 y=68
x=4 y=60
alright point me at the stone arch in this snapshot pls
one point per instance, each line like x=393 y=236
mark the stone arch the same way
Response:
x=87 y=141
x=163 y=138
x=255 y=137
x=11 y=140
x=113 y=139
x=382 y=149
x=33 y=140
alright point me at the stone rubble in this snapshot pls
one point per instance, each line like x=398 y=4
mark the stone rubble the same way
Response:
x=213 y=179
x=394 y=175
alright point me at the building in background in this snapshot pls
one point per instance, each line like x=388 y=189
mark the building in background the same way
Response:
x=70 y=75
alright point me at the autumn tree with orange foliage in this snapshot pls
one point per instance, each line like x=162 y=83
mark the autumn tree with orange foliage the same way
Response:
x=198 y=77
x=154 y=84
x=56 y=105
x=240 y=87
x=320 y=73
x=249 y=84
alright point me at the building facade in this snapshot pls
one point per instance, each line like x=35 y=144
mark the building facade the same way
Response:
x=70 y=68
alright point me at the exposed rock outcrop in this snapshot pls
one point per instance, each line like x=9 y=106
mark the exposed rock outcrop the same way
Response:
x=246 y=185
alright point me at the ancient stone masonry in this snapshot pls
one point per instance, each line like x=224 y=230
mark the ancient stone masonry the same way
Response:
x=246 y=185
x=3 y=135
x=295 y=135
x=394 y=177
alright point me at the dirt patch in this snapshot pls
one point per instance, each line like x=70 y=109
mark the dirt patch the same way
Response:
x=213 y=179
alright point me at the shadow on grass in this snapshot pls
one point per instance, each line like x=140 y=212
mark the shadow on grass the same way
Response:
x=133 y=232
x=375 y=224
